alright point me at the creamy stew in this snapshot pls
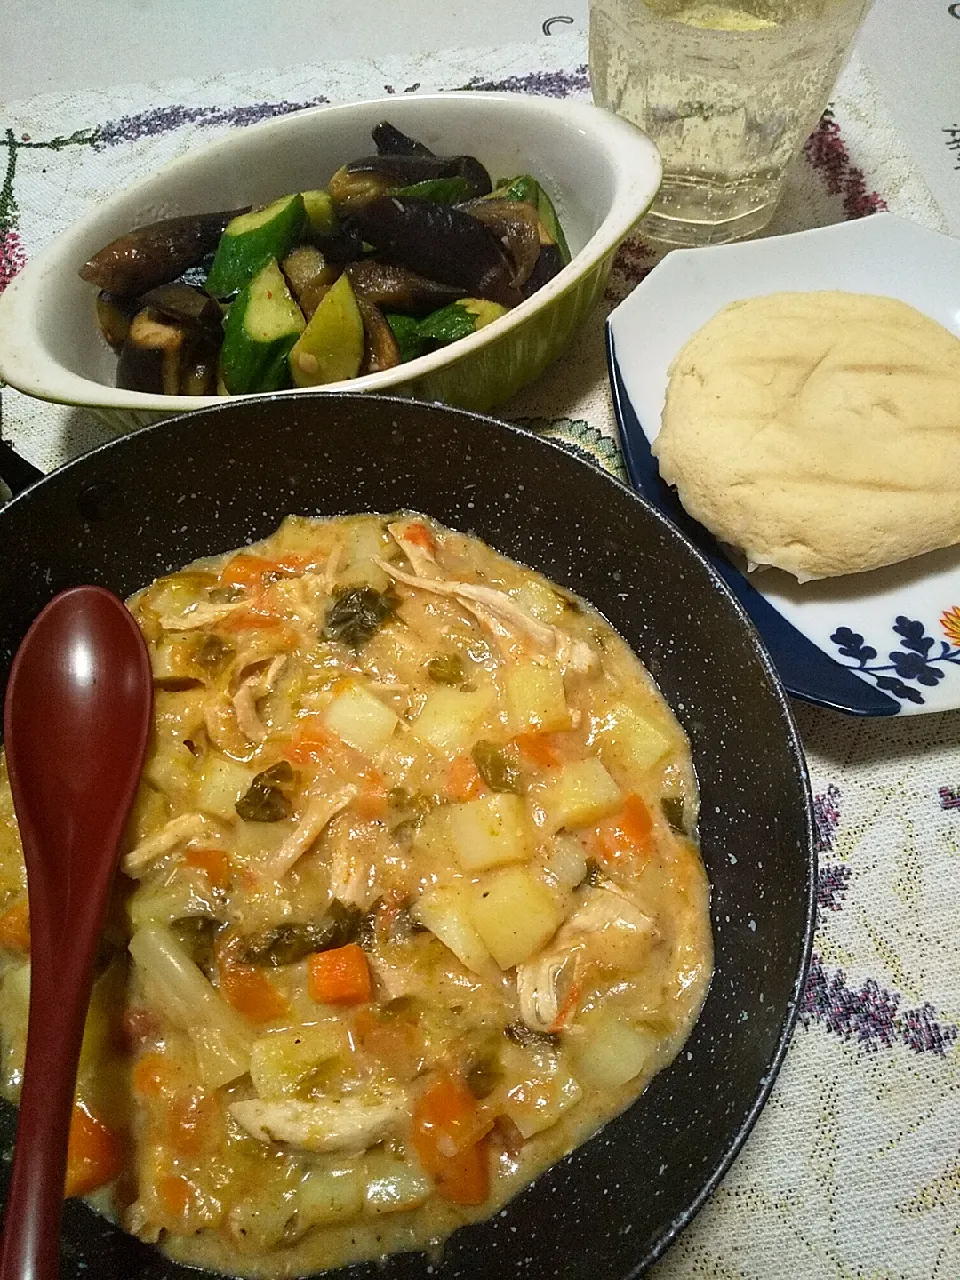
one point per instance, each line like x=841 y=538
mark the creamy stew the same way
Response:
x=410 y=901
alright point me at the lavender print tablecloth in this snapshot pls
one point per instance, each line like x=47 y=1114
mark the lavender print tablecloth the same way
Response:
x=853 y=1170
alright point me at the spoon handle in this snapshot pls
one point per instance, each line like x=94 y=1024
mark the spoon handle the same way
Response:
x=31 y=1236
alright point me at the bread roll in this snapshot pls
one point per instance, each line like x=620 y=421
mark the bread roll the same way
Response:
x=818 y=432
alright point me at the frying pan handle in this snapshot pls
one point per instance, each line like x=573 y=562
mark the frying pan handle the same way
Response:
x=16 y=474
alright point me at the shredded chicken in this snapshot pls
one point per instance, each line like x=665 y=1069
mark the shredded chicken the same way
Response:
x=331 y=567
x=422 y=559
x=347 y=1124
x=608 y=928
x=350 y=877
x=253 y=688
x=176 y=832
x=199 y=615
x=503 y=617
x=318 y=813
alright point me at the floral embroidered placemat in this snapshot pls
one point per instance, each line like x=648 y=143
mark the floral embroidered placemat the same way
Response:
x=853 y=1170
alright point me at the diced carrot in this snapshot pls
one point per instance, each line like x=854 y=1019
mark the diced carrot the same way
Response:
x=449 y=1136
x=176 y=1195
x=15 y=927
x=216 y=864
x=251 y=993
x=463 y=779
x=255 y=620
x=628 y=834
x=94 y=1153
x=252 y=572
x=465 y=1177
x=420 y=536
x=155 y=1076
x=370 y=805
x=635 y=821
x=538 y=749
x=340 y=976
x=310 y=743
x=447 y=1120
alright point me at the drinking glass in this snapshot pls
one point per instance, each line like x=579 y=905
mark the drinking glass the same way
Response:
x=728 y=92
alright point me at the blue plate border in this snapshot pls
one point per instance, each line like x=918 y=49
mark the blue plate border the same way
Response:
x=806 y=671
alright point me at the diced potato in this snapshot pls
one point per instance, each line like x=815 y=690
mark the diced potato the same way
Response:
x=539 y=599
x=170 y=770
x=364 y=541
x=331 y=1193
x=255 y=841
x=300 y=536
x=490 y=831
x=394 y=1186
x=281 y=1061
x=445 y=911
x=544 y=1093
x=222 y=783
x=259 y=1222
x=174 y=898
x=579 y=795
x=150 y=812
x=515 y=914
x=566 y=861
x=610 y=1052
x=450 y=718
x=360 y=719
x=628 y=740
x=14 y=1003
x=535 y=697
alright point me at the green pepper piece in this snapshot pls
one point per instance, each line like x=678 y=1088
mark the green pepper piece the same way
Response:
x=439 y=190
x=288 y=943
x=406 y=330
x=673 y=811
x=494 y=767
x=358 y=613
x=266 y=800
x=446 y=668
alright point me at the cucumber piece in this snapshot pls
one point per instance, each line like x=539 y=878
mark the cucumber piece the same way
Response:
x=330 y=348
x=439 y=190
x=529 y=190
x=322 y=218
x=252 y=240
x=460 y=319
x=262 y=325
x=406 y=330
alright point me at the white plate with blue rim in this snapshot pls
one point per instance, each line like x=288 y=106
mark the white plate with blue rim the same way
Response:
x=880 y=643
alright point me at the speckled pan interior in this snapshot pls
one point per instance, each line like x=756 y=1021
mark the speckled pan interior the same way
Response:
x=213 y=480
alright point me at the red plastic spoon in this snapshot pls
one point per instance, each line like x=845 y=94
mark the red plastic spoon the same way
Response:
x=76 y=721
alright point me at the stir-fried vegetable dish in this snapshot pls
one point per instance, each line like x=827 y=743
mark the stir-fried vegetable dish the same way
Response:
x=401 y=253
x=410 y=901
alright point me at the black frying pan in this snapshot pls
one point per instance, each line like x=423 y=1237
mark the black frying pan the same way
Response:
x=214 y=480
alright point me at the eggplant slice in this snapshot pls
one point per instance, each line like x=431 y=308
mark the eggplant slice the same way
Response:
x=136 y=262
x=380 y=349
x=390 y=141
x=441 y=243
x=398 y=288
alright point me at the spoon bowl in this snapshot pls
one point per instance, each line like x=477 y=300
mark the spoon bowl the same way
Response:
x=76 y=722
